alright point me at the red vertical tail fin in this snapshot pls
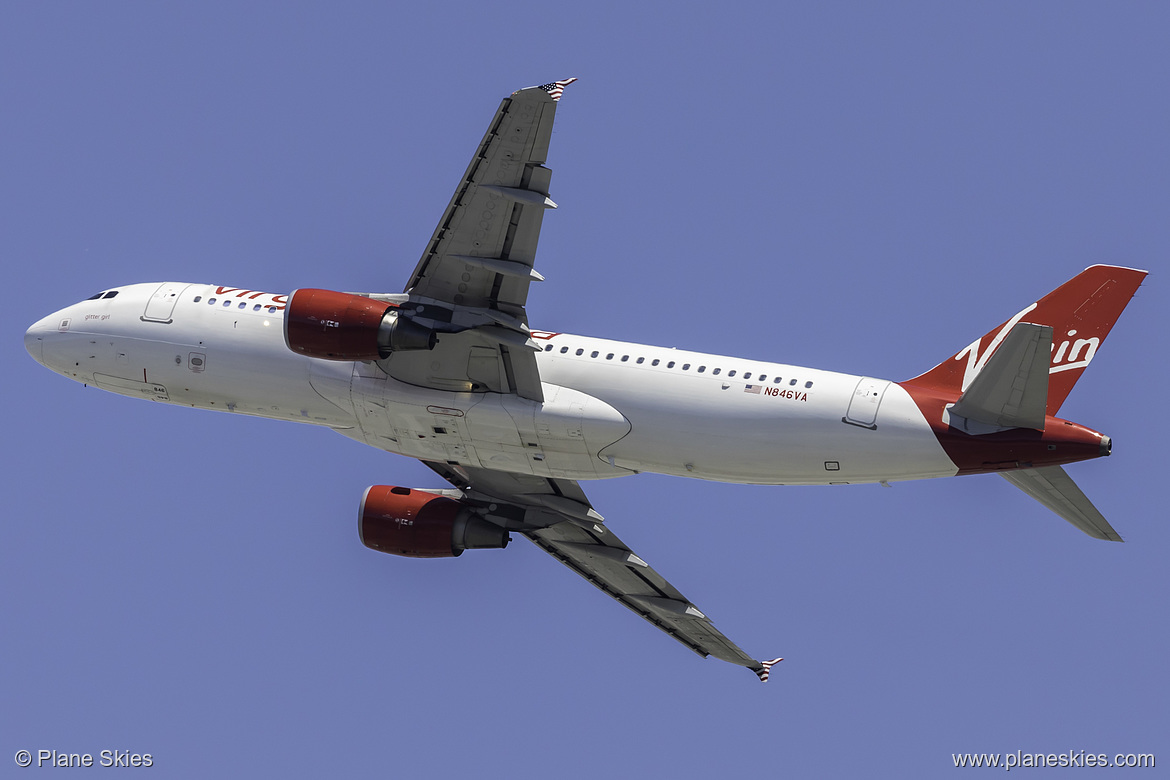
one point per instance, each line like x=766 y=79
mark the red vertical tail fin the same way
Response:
x=1081 y=313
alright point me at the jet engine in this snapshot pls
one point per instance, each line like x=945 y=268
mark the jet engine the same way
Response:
x=418 y=524
x=340 y=326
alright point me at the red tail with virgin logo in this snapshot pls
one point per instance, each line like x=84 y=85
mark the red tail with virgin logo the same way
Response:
x=1081 y=312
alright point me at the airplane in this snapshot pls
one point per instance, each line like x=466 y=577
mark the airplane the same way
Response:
x=514 y=419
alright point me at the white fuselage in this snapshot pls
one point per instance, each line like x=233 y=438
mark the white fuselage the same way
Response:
x=610 y=408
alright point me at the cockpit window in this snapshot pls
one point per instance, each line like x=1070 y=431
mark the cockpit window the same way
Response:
x=111 y=294
x=95 y=297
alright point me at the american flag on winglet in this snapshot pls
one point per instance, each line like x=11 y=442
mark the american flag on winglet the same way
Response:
x=765 y=669
x=557 y=88
x=752 y=389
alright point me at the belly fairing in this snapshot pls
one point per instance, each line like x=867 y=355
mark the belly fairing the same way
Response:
x=559 y=438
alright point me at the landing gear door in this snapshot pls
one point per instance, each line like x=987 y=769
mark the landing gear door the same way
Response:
x=863 y=406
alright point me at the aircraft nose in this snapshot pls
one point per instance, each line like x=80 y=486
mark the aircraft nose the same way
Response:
x=41 y=332
x=34 y=340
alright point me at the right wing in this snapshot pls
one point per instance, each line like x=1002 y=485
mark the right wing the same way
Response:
x=557 y=517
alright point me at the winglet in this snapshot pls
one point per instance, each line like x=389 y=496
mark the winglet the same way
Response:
x=766 y=668
x=556 y=88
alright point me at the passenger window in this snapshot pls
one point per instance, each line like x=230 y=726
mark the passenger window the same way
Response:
x=211 y=301
x=641 y=360
x=715 y=371
x=227 y=304
x=594 y=353
x=564 y=350
x=256 y=307
x=654 y=362
x=198 y=298
x=792 y=381
x=243 y=306
x=686 y=366
x=625 y=358
x=609 y=356
x=548 y=348
x=670 y=364
x=777 y=381
x=272 y=310
x=580 y=352
x=808 y=384
x=731 y=372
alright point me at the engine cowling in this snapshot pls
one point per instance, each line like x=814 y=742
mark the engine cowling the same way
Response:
x=418 y=524
x=339 y=326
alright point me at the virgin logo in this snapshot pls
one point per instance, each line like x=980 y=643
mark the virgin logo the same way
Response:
x=279 y=301
x=1070 y=353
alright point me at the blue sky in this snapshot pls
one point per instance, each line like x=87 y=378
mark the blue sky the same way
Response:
x=855 y=187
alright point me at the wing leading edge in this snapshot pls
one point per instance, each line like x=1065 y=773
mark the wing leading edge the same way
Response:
x=557 y=517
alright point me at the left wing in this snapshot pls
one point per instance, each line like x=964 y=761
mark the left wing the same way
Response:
x=557 y=517
x=472 y=281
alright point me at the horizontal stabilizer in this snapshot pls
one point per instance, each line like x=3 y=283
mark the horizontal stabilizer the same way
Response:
x=1011 y=390
x=1054 y=488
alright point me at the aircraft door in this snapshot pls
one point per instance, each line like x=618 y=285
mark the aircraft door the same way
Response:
x=162 y=304
x=863 y=406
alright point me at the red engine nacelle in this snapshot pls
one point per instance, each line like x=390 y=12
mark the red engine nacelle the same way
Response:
x=340 y=326
x=418 y=524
